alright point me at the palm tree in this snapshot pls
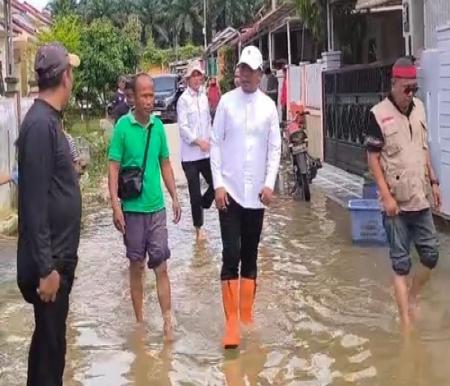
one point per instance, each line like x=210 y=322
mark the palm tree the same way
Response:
x=313 y=14
x=61 y=7
x=154 y=20
x=109 y=9
x=186 y=15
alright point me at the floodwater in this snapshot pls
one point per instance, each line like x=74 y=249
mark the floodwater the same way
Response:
x=325 y=313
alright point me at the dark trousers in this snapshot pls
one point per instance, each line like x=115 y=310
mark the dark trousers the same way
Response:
x=46 y=359
x=193 y=170
x=241 y=232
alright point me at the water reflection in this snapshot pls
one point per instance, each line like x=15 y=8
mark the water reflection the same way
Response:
x=324 y=311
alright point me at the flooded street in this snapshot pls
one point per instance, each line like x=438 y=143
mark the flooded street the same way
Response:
x=324 y=310
x=325 y=313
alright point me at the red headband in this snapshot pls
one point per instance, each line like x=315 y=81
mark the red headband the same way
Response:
x=409 y=72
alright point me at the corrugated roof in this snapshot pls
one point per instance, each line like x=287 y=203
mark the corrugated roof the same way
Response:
x=367 y=4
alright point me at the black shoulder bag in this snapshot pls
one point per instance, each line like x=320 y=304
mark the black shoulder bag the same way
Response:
x=131 y=179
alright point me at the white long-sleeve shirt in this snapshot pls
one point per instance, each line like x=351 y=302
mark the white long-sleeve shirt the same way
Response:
x=194 y=122
x=245 y=146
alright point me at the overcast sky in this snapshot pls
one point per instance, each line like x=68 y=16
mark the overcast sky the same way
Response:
x=40 y=4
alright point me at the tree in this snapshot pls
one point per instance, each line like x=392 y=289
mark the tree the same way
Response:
x=132 y=51
x=106 y=53
x=65 y=29
x=115 y=11
x=154 y=19
x=61 y=7
x=313 y=14
x=187 y=18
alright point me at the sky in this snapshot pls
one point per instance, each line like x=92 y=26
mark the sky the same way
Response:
x=39 y=4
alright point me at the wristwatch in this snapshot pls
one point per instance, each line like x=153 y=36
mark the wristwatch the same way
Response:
x=434 y=182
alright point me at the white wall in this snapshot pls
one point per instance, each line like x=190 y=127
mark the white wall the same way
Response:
x=436 y=13
x=9 y=131
x=435 y=81
x=8 y=135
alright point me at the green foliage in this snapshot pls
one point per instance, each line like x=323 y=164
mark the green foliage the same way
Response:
x=65 y=29
x=170 y=22
x=162 y=57
x=227 y=81
x=313 y=13
x=62 y=7
x=106 y=53
x=89 y=130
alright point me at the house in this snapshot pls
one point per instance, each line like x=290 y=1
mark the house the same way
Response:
x=430 y=36
x=27 y=21
x=369 y=32
x=16 y=63
x=369 y=37
x=279 y=34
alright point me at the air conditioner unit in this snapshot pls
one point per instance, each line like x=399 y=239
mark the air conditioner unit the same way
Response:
x=413 y=26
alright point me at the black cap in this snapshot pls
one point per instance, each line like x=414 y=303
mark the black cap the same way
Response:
x=52 y=59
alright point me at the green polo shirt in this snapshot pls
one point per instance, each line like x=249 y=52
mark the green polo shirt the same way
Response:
x=127 y=147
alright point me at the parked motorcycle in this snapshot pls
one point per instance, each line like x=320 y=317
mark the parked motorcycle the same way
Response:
x=305 y=166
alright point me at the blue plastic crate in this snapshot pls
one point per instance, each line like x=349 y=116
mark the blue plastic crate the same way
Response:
x=367 y=223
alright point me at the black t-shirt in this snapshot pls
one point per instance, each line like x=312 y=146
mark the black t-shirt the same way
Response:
x=49 y=197
x=374 y=138
x=120 y=110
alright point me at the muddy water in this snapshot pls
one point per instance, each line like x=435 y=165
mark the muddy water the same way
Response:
x=325 y=313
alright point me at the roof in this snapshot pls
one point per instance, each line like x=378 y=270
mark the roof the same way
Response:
x=35 y=12
x=271 y=19
x=368 y=4
x=232 y=36
x=222 y=38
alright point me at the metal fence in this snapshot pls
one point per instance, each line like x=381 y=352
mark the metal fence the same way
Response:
x=349 y=94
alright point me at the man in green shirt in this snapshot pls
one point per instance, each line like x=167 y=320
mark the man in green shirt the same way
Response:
x=142 y=220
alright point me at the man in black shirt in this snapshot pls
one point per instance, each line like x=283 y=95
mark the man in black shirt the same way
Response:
x=49 y=215
x=123 y=107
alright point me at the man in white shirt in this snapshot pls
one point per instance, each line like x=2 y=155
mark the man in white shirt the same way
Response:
x=194 y=121
x=245 y=156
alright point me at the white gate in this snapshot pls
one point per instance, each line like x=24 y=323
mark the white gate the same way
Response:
x=435 y=83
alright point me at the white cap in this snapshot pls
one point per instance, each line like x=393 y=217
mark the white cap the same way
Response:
x=252 y=57
x=194 y=65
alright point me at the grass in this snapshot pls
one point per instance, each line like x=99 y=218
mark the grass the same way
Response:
x=89 y=131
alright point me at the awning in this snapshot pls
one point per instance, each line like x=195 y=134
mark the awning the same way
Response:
x=368 y=4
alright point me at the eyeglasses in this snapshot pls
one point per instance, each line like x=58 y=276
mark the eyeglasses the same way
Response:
x=411 y=89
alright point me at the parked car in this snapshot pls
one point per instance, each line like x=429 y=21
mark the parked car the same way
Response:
x=168 y=88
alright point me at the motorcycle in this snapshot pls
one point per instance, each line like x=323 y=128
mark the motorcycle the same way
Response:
x=305 y=166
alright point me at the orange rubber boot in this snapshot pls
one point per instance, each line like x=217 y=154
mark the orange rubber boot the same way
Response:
x=246 y=300
x=230 y=298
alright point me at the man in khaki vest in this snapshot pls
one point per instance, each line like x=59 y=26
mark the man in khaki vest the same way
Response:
x=400 y=163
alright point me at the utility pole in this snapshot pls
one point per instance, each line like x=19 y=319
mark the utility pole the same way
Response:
x=204 y=25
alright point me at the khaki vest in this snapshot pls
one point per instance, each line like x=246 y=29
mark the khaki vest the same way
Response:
x=404 y=156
